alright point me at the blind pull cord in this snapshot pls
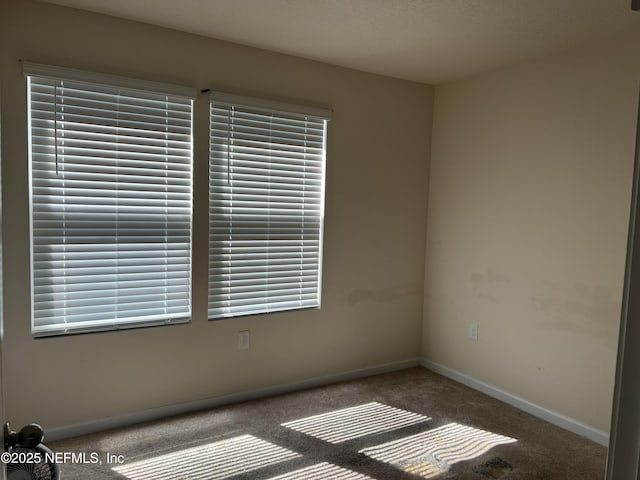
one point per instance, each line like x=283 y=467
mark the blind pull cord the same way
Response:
x=229 y=137
x=55 y=122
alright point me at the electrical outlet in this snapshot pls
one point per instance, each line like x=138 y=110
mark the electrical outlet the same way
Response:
x=243 y=340
x=473 y=331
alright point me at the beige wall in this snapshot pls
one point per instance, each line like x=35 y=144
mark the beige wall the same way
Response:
x=378 y=150
x=530 y=185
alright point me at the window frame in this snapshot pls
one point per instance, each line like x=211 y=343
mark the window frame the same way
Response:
x=144 y=90
x=288 y=112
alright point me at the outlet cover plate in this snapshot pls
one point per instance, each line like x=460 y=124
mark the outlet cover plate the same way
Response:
x=473 y=331
x=244 y=340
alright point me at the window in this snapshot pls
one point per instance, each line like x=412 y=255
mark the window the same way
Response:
x=110 y=178
x=266 y=206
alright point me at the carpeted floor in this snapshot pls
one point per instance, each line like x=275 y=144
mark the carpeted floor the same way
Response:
x=404 y=425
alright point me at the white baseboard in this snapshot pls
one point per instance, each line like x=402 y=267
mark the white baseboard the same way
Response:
x=67 y=431
x=550 y=416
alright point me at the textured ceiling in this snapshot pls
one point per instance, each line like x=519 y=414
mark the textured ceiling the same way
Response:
x=429 y=41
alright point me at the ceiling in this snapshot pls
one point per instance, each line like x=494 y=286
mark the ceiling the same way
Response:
x=428 y=41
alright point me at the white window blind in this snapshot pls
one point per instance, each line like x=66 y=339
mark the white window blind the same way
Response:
x=266 y=206
x=111 y=209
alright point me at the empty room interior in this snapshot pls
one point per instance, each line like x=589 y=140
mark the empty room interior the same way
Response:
x=465 y=174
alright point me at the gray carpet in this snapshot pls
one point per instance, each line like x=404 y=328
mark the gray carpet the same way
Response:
x=404 y=425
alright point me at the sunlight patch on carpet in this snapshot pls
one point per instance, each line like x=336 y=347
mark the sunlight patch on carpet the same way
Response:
x=433 y=452
x=213 y=461
x=354 y=422
x=322 y=471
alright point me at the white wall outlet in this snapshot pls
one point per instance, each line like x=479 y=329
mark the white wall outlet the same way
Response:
x=473 y=331
x=243 y=340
